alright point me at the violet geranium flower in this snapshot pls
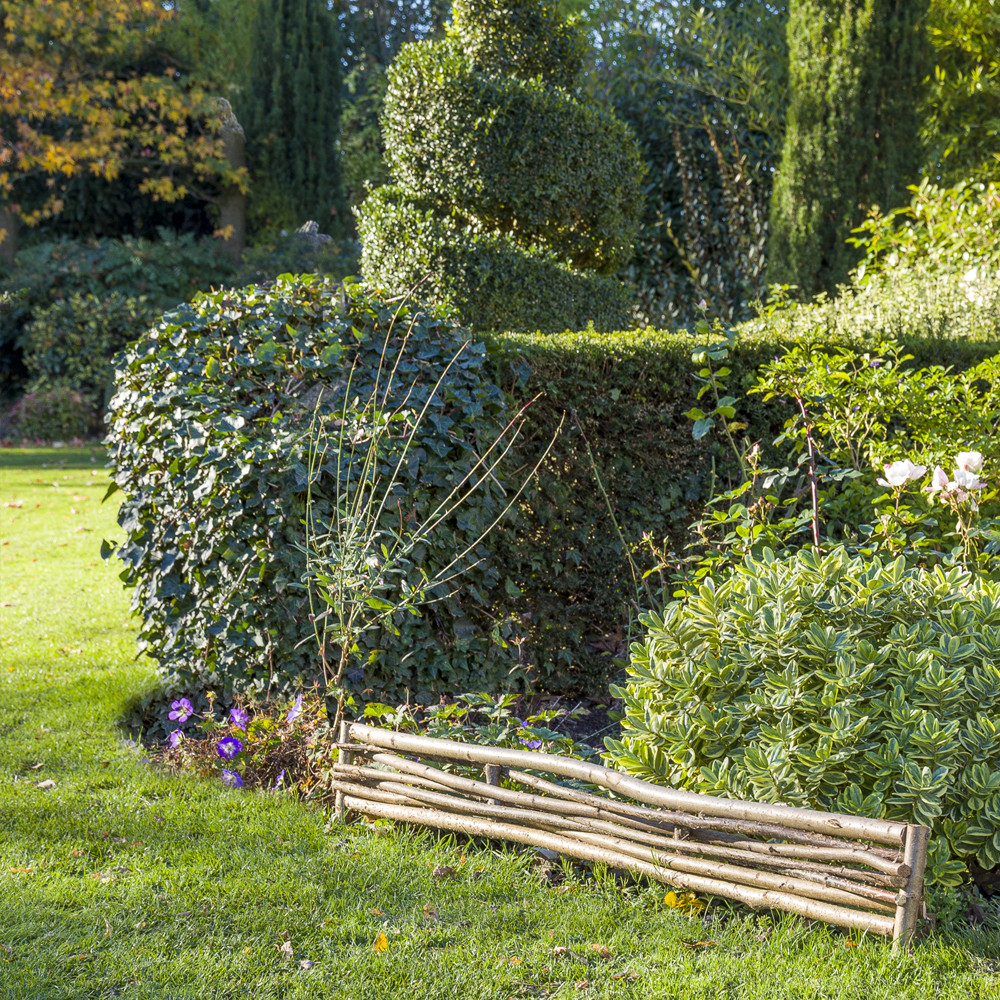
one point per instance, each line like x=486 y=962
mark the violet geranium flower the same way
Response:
x=182 y=710
x=228 y=747
x=174 y=739
x=232 y=779
x=293 y=713
x=238 y=718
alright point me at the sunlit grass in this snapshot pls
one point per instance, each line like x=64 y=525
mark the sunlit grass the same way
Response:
x=124 y=881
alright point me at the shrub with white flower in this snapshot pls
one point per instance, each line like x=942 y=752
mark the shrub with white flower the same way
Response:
x=960 y=492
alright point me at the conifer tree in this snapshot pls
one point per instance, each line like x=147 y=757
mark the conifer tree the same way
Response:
x=856 y=69
x=290 y=110
x=514 y=199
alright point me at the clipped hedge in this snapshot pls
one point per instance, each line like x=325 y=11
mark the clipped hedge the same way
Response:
x=514 y=195
x=407 y=245
x=213 y=432
x=626 y=394
x=844 y=684
x=541 y=166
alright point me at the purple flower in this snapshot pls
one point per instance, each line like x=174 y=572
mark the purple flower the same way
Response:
x=174 y=739
x=532 y=744
x=281 y=777
x=182 y=710
x=228 y=747
x=238 y=718
x=232 y=779
x=293 y=713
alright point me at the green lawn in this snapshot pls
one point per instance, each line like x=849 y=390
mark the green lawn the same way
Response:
x=122 y=881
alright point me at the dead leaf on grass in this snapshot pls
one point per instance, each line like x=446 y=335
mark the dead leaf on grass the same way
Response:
x=381 y=942
x=443 y=871
x=601 y=950
x=430 y=912
x=47 y=783
x=697 y=945
x=305 y=964
x=285 y=948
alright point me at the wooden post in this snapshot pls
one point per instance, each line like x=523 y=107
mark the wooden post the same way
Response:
x=492 y=774
x=8 y=235
x=343 y=757
x=233 y=201
x=912 y=897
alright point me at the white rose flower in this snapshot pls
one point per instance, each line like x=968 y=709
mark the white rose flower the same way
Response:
x=939 y=482
x=900 y=473
x=969 y=461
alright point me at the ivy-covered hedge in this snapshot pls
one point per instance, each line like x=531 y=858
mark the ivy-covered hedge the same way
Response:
x=229 y=412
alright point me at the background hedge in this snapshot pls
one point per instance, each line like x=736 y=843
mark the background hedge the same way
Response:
x=626 y=394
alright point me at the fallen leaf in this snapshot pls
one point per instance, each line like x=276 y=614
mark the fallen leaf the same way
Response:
x=514 y=960
x=381 y=942
x=628 y=974
x=35 y=767
x=47 y=783
x=21 y=871
x=582 y=984
x=376 y=912
x=285 y=948
x=186 y=913
x=693 y=945
x=850 y=944
x=139 y=926
x=76 y=852
x=305 y=964
x=602 y=950
x=564 y=888
x=429 y=912
x=560 y=950
x=443 y=871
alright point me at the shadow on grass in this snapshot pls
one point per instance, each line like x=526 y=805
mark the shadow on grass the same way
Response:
x=85 y=457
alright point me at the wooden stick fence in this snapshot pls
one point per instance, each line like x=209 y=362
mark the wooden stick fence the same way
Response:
x=851 y=871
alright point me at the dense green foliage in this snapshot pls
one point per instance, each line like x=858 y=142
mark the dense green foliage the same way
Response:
x=704 y=89
x=55 y=414
x=161 y=272
x=70 y=306
x=856 y=72
x=961 y=115
x=488 y=274
x=500 y=173
x=848 y=684
x=627 y=394
x=290 y=110
x=71 y=342
x=241 y=500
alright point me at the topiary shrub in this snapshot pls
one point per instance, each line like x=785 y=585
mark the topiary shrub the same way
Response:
x=855 y=686
x=242 y=438
x=55 y=414
x=503 y=176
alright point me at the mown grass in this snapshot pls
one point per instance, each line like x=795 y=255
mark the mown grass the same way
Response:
x=125 y=881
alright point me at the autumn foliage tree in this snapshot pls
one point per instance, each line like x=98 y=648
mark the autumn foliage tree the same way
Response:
x=88 y=88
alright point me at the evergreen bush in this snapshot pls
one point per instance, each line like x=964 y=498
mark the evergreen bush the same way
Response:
x=503 y=176
x=838 y=683
x=239 y=510
x=856 y=75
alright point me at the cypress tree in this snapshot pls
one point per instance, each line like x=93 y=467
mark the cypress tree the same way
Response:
x=856 y=70
x=290 y=110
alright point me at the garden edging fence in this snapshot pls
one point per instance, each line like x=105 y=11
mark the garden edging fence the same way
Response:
x=851 y=871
